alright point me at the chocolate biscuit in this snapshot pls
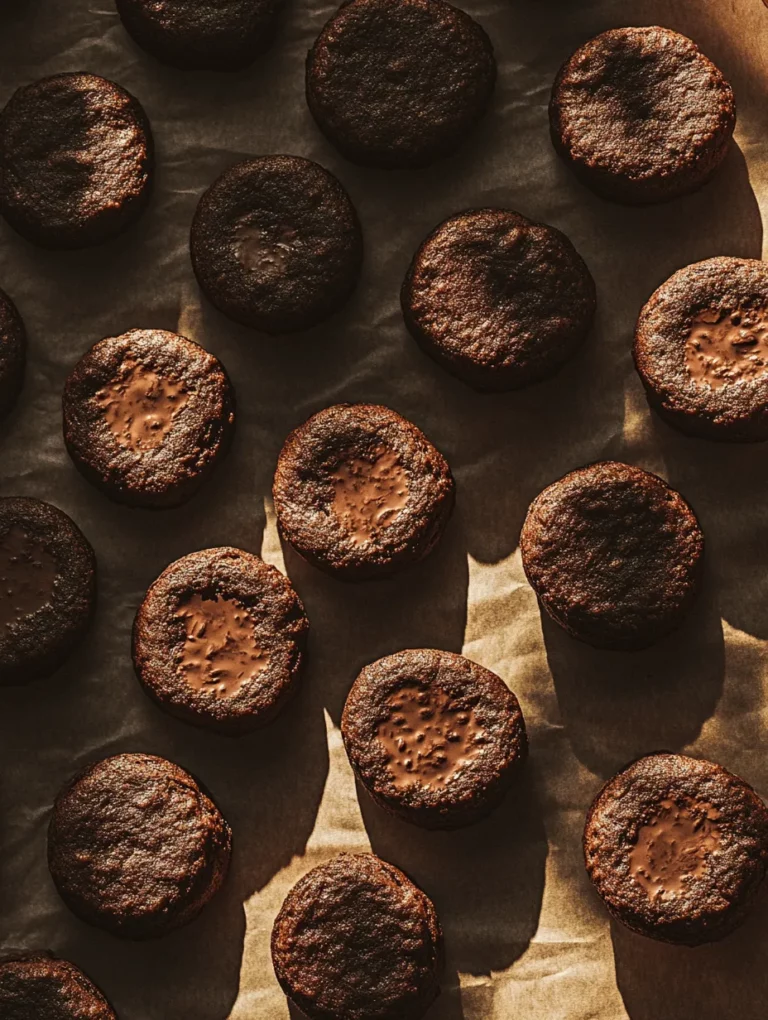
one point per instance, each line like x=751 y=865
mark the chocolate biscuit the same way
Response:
x=13 y=353
x=47 y=588
x=220 y=639
x=136 y=847
x=701 y=348
x=76 y=160
x=614 y=555
x=399 y=83
x=276 y=244
x=355 y=938
x=433 y=737
x=497 y=300
x=360 y=492
x=677 y=848
x=36 y=986
x=201 y=34
x=147 y=417
x=641 y=115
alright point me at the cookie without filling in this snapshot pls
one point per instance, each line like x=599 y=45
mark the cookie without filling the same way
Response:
x=399 y=83
x=677 y=848
x=136 y=847
x=360 y=492
x=276 y=244
x=433 y=737
x=356 y=938
x=641 y=115
x=13 y=353
x=36 y=986
x=147 y=417
x=614 y=555
x=220 y=639
x=701 y=348
x=76 y=160
x=497 y=300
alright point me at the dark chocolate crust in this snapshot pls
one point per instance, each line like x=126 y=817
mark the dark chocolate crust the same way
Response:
x=641 y=115
x=201 y=34
x=355 y=938
x=182 y=389
x=274 y=616
x=736 y=409
x=472 y=693
x=498 y=300
x=276 y=244
x=36 y=986
x=47 y=588
x=305 y=490
x=399 y=83
x=13 y=353
x=715 y=896
x=614 y=555
x=76 y=160
x=136 y=847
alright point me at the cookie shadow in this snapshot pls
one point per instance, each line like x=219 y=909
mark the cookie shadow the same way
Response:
x=354 y=624
x=489 y=913
x=617 y=706
x=723 y=979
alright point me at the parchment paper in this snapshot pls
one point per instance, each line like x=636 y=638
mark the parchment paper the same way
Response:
x=526 y=936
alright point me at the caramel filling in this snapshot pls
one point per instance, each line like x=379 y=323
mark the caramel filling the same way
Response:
x=264 y=252
x=140 y=406
x=723 y=347
x=220 y=652
x=27 y=576
x=674 y=848
x=369 y=494
x=428 y=738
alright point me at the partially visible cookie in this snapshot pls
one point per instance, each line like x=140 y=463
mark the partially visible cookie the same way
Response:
x=220 y=639
x=701 y=348
x=677 y=848
x=433 y=737
x=497 y=300
x=147 y=417
x=361 y=492
x=276 y=244
x=36 y=986
x=13 y=353
x=399 y=83
x=641 y=115
x=355 y=938
x=201 y=34
x=47 y=588
x=76 y=160
x=614 y=555
x=136 y=847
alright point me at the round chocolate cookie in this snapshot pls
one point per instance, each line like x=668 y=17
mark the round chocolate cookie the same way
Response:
x=434 y=738
x=76 y=160
x=677 y=848
x=47 y=588
x=641 y=115
x=614 y=555
x=136 y=847
x=37 y=986
x=147 y=417
x=497 y=300
x=355 y=938
x=701 y=348
x=220 y=639
x=276 y=244
x=360 y=492
x=13 y=353
x=399 y=83
x=201 y=34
